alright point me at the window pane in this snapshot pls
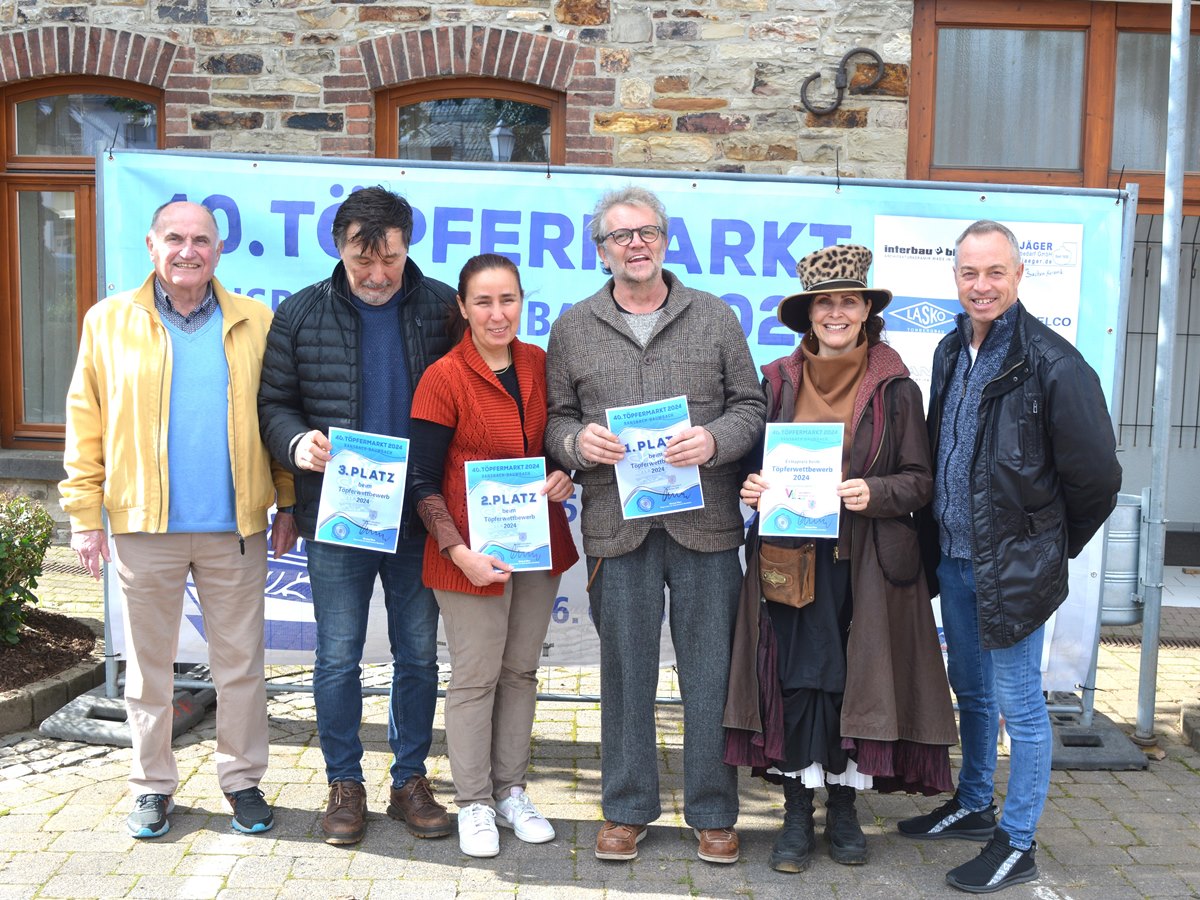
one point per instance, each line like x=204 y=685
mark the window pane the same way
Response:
x=81 y=124
x=1140 y=107
x=474 y=129
x=46 y=242
x=1009 y=99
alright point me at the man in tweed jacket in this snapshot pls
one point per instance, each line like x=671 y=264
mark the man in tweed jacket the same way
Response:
x=643 y=337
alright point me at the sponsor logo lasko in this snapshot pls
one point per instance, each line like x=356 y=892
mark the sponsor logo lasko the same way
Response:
x=920 y=315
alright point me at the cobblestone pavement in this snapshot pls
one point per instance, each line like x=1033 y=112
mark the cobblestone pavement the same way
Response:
x=1107 y=835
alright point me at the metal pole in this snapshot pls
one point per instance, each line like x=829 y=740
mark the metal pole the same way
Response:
x=1160 y=433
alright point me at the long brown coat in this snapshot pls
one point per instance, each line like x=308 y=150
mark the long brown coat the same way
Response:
x=896 y=686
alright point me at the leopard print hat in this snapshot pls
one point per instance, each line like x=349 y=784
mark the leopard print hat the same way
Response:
x=842 y=267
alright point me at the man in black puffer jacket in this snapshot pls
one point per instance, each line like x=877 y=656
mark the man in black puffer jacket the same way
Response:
x=348 y=352
x=1026 y=473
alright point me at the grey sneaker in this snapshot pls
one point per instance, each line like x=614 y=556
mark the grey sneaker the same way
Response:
x=251 y=814
x=149 y=816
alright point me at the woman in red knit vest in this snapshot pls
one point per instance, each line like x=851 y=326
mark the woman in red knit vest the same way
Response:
x=485 y=400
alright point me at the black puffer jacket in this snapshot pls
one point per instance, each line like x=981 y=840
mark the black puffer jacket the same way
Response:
x=311 y=368
x=1044 y=476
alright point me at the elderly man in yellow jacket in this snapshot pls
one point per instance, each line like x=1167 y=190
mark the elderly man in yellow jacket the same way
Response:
x=162 y=432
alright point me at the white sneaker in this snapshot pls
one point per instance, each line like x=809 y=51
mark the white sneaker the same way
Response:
x=477 y=834
x=518 y=813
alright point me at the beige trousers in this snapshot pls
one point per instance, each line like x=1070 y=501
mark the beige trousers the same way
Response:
x=495 y=644
x=153 y=569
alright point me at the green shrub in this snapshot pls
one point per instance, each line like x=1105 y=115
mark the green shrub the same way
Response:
x=25 y=533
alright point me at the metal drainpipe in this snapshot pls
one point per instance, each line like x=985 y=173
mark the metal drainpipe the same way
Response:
x=1160 y=434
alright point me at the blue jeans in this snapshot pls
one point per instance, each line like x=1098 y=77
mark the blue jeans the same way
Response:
x=343 y=579
x=988 y=684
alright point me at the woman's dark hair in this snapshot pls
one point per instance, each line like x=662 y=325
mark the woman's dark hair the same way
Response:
x=456 y=325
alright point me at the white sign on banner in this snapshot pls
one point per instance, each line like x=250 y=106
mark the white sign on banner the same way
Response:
x=737 y=236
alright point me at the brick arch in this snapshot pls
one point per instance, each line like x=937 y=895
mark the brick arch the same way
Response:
x=50 y=50
x=482 y=50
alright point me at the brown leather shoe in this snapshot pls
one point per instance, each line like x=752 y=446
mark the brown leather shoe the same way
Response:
x=345 y=819
x=717 y=845
x=412 y=803
x=619 y=842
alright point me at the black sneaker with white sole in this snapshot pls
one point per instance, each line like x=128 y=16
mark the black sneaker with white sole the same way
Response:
x=251 y=814
x=999 y=865
x=950 y=821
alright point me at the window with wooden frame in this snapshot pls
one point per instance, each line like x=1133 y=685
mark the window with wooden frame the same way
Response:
x=50 y=132
x=471 y=119
x=1061 y=92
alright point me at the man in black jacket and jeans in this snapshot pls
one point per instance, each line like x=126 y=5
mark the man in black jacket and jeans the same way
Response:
x=1025 y=473
x=348 y=352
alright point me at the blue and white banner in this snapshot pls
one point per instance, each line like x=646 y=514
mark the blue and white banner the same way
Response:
x=738 y=236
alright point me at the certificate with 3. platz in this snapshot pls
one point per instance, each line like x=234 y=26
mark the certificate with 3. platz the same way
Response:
x=362 y=493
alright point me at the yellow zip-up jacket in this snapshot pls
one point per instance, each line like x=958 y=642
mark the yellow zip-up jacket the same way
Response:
x=118 y=409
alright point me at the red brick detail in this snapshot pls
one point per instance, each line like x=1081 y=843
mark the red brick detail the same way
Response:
x=346 y=146
x=502 y=68
x=585 y=66
x=479 y=39
x=458 y=49
x=344 y=81
x=412 y=52
x=92 y=62
x=399 y=59
x=190 y=142
x=487 y=65
x=62 y=40
x=21 y=54
x=441 y=44
x=121 y=54
x=359 y=111
x=363 y=96
x=428 y=53
x=108 y=52
x=370 y=58
x=33 y=42
x=136 y=48
x=78 y=51
x=7 y=69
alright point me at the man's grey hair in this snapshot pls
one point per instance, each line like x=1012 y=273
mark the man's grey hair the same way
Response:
x=158 y=215
x=627 y=196
x=987 y=226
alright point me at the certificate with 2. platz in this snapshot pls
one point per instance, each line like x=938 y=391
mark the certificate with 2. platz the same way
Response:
x=507 y=513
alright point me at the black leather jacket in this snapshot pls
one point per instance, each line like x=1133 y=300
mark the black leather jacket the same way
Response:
x=1044 y=475
x=311 y=367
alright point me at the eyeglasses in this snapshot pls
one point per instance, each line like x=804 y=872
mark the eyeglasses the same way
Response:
x=623 y=236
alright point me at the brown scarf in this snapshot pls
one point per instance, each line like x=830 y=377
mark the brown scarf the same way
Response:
x=828 y=389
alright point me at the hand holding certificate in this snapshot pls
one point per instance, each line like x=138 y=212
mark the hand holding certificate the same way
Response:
x=362 y=493
x=647 y=483
x=802 y=464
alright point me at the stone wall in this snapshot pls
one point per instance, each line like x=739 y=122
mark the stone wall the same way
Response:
x=680 y=84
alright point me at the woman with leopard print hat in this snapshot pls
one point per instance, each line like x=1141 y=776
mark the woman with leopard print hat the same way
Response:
x=836 y=646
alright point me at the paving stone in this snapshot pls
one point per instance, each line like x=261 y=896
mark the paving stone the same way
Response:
x=78 y=887
x=176 y=887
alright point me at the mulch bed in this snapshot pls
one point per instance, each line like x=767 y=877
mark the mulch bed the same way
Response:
x=50 y=643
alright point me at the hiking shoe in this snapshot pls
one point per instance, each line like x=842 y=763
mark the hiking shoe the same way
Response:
x=950 y=821
x=345 y=819
x=149 y=816
x=477 y=835
x=413 y=804
x=517 y=812
x=251 y=814
x=999 y=865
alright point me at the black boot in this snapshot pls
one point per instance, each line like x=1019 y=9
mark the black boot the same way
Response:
x=847 y=845
x=794 y=847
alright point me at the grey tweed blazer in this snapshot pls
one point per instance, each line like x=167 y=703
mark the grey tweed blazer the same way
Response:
x=697 y=349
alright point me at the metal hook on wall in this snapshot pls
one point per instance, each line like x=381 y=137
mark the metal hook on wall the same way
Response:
x=841 y=81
